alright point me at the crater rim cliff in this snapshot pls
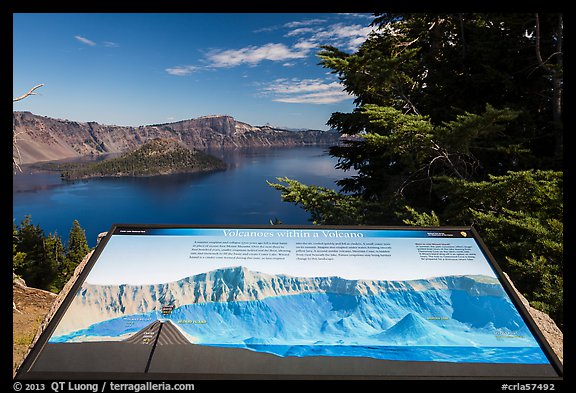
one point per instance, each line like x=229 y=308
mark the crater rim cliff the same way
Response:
x=43 y=138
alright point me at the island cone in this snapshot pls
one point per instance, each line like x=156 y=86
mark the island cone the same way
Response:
x=159 y=332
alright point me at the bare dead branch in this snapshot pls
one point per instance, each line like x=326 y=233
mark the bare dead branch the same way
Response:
x=16 y=156
x=30 y=93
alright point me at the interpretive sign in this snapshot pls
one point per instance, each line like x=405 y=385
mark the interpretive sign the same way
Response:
x=296 y=302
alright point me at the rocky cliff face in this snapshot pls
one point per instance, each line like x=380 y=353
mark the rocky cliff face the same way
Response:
x=241 y=284
x=96 y=303
x=42 y=138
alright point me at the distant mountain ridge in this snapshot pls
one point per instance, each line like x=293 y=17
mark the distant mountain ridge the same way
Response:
x=42 y=138
x=96 y=303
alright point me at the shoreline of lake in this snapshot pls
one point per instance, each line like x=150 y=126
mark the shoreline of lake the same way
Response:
x=239 y=195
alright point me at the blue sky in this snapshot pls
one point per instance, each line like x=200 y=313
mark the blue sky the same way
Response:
x=146 y=68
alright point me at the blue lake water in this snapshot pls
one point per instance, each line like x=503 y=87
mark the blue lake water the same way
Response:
x=437 y=353
x=322 y=324
x=236 y=196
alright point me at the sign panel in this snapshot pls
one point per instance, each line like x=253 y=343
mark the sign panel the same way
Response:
x=282 y=301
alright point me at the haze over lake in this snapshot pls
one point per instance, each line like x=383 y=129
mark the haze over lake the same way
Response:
x=236 y=196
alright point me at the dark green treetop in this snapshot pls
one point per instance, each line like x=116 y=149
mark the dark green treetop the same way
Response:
x=457 y=121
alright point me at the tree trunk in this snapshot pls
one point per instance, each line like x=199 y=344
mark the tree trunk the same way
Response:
x=555 y=72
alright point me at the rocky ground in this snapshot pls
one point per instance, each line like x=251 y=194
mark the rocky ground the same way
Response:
x=547 y=326
x=31 y=305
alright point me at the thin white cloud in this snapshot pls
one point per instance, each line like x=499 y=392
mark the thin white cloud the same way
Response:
x=307 y=37
x=357 y=15
x=355 y=43
x=85 y=40
x=253 y=55
x=290 y=25
x=326 y=97
x=266 y=29
x=295 y=85
x=181 y=70
x=110 y=44
x=341 y=35
x=306 y=22
x=348 y=36
x=305 y=91
x=306 y=45
x=301 y=31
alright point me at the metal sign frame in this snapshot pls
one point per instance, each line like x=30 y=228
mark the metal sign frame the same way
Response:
x=441 y=371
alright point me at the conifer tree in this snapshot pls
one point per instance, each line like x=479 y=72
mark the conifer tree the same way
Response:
x=33 y=265
x=457 y=122
x=18 y=256
x=77 y=248
x=42 y=261
x=56 y=254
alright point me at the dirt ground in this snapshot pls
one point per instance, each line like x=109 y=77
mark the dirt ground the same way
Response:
x=32 y=305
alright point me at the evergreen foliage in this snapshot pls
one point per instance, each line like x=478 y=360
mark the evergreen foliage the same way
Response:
x=155 y=157
x=458 y=121
x=42 y=261
x=520 y=216
x=76 y=250
x=56 y=255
